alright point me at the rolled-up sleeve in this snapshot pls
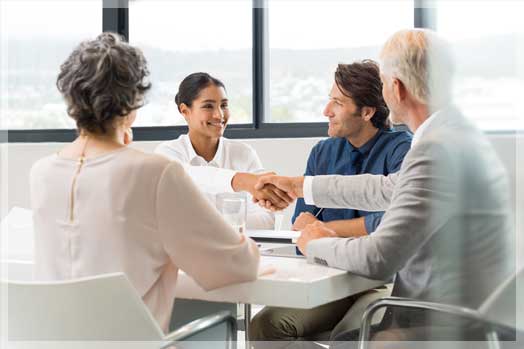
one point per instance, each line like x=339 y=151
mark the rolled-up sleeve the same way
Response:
x=210 y=179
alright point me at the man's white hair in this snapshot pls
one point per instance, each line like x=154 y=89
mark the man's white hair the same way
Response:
x=422 y=61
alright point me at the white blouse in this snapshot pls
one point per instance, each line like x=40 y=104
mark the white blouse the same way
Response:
x=215 y=177
x=137 y=213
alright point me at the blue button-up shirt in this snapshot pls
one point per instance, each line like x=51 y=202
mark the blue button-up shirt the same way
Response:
x=382 y=154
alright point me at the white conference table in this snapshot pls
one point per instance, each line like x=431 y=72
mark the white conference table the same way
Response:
x=293 y=284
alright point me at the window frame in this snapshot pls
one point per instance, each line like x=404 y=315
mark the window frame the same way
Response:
x=115 y=17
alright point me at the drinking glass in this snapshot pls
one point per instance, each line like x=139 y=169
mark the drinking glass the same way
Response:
x=233 y=207
x=279 y=217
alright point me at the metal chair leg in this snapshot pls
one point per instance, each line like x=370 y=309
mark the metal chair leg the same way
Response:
x=493 y=340
x=247 y=320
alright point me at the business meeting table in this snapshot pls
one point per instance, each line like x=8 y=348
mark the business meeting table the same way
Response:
x=283 y=281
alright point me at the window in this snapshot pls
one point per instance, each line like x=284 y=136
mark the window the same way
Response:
x=303 y=41
x=36 y=46
x=191 y=36
x=485 y=37
x=307 y=39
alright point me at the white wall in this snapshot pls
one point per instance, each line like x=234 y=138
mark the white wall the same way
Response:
x=285 y=156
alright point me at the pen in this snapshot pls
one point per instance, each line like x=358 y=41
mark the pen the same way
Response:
x=319 y=212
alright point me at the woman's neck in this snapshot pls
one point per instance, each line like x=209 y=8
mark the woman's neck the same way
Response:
x=205 y=147
x=90 y=145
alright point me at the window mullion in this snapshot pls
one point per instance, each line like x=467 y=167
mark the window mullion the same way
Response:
x=115 y=17
x=425 y=14
x=260 y=66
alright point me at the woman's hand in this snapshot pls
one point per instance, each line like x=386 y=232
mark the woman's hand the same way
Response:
x=276 y=198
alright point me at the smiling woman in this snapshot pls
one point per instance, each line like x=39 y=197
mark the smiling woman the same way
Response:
x=203 y=102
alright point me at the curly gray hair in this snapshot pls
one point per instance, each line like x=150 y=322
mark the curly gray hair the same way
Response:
x=101 y=80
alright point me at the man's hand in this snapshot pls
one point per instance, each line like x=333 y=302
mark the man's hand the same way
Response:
x=303 y=219
x=292 y=186
x=317 y=230
x=273 y=197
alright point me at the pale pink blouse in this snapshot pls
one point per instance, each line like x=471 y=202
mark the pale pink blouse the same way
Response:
x=136 y=213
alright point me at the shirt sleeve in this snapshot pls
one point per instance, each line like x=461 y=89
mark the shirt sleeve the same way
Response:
x=254 y=163
x=398 y=154
x=301 y=205
x=365 y=192
x=307 y=190
x=209 y=179
x=195 y=236
x=372 y=220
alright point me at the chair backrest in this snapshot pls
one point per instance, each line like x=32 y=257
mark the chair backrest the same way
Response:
x=505 y=306
x=102 y=308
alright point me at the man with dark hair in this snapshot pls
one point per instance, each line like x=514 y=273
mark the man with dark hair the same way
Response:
x=448 y=235
x=361 y=141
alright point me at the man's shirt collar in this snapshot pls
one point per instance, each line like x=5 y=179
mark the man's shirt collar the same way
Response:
x=421 y=130
x=366 y=147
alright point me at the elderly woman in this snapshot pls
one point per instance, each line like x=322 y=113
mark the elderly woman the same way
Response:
x=101 y=206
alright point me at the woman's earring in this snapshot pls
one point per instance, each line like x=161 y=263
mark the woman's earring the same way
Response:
x=128 y=136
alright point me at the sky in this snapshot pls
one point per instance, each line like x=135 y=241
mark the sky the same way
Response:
x=203 y=24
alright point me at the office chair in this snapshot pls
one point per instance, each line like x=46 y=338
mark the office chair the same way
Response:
x=100 y=308
x=495 y=315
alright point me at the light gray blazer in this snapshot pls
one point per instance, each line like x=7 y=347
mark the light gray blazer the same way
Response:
x=446 y=234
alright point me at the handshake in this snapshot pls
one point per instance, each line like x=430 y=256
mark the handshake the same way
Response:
x=276 y=193
x=269 y=190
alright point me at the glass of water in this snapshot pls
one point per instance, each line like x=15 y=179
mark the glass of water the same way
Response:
x=233 y=207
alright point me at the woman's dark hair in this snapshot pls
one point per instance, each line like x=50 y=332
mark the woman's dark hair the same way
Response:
x=101 y=80
x=191 y=86
x=360 y=81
